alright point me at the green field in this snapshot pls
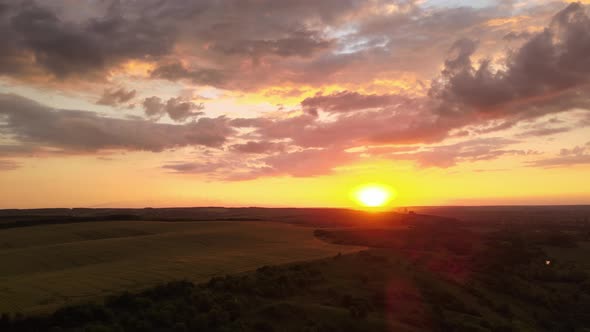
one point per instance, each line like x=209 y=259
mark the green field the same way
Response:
x=45 y=267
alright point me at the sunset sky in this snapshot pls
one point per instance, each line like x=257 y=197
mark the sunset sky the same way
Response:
x=293 y=102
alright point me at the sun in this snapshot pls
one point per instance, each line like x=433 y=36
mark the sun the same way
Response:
x=373 y=196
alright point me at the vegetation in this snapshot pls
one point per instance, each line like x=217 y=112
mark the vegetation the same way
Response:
x=523 y=279
x=315 y=217
x=375 y=290
x=45 y=267
x=425 y=275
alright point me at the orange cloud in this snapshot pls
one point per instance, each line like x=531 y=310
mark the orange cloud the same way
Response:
x=514 y=20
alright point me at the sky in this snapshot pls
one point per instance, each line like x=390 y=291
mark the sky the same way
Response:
x=293 y=102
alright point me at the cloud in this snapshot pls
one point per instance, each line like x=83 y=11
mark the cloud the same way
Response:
x=464 y=95
x=398 y=123
x=72 y=131
x=577 y=155
x=300 y=163
x=563 y=161
x=346 y=101
x=297 y=43
x=575 y=151
x=257 y=147
x=512 y=35
x=37 y=38
x=235 y=44
x=8 y=165
x=347 y=46
x=180 y=110
x=177 y=71
x=545 y=68
x=445 y=156
x=479 y=98
x=8 y=150
x=305 y=163
x=193 y=167
x=153 y=107
x=210 y=42
x=544 y=132
x=114 y=97
x=64 y=39
x=177 y=109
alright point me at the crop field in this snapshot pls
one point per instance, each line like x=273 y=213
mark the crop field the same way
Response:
x=45 y=267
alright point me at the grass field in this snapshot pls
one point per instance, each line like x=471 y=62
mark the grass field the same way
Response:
x=575 y=255
x=44 y=267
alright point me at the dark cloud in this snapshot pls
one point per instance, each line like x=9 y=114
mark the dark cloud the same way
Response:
x=8 y=150
x=177 y=109
x=465 y=95
x=385 y=119
x=254 y=29
x=193 y=167
x=298 y=43
x=153 y=107
x=28 y=122
x=546 y=66
x=257 y=147
x=180 y=110
x=512 y=35
x=544 y=131
x=476 y=97
x=266 y=42
x=176 y=71
x=249 y=44
x=65 y=48
x=346 y=101
x=114 y=97
x=40 y=37
x=405 y=123
x=250 y=122
x=211 y=41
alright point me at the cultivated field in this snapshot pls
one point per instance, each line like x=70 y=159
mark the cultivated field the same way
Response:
x=44 y=267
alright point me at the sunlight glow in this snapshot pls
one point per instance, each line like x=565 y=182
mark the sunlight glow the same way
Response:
x=373 y=195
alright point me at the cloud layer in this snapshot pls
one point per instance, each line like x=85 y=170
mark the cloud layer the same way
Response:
x=71 y=131
x=373 y=79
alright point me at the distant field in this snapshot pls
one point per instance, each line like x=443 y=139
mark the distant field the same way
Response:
x=44 y=267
